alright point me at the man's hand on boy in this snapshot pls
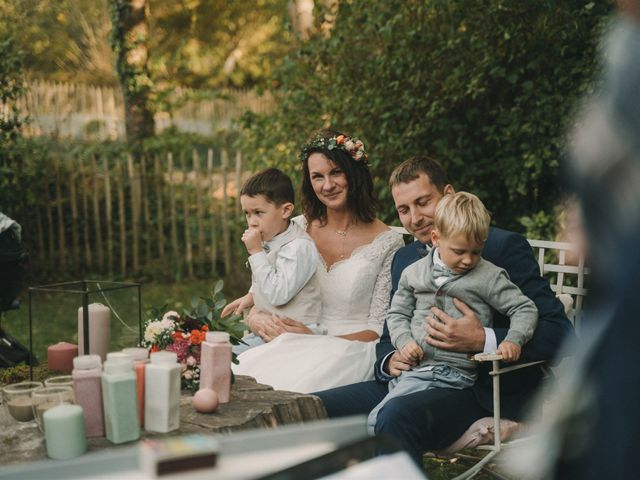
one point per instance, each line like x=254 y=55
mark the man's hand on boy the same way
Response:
x=463 y=334
x=510 y=351
x=238 y=306
x=252 y=239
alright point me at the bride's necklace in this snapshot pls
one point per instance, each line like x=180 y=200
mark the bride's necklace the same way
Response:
x=343 y=234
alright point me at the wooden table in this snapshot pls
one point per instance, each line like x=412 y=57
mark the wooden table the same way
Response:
x=252 y=405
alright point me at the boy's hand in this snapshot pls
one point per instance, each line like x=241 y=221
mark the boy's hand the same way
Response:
x=238 y=306
x=412 y=351
x=510 y=351
x=397 y=363
x=252 y=239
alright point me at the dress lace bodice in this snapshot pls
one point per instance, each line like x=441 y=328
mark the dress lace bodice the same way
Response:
x=355 y=291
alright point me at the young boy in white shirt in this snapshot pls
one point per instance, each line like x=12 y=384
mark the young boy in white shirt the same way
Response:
x=282 y=257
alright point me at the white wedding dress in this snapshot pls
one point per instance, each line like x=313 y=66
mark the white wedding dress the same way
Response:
x=355 y=297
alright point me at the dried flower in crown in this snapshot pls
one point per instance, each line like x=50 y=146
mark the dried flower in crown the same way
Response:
x=352 y=146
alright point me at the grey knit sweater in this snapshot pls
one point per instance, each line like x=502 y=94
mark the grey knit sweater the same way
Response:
x=485 y=289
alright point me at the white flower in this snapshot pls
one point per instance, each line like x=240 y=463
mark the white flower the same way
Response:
x=349 y=145
x=171 y=315
x=359 y=154
x=156 y=328
x=153 y=330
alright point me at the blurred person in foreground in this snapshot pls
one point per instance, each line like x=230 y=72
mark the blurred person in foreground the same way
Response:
x=592 y=428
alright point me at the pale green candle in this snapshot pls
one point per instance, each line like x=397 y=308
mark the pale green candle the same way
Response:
x=64 y=432
x=120 y=400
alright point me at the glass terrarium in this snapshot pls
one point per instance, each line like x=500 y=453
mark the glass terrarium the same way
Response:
x=87 y=316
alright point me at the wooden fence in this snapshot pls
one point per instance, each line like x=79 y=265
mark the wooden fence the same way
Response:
x=97 y=113
x=174 y=215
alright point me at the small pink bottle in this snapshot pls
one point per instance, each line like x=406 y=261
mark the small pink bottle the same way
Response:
x=140 y=359
x=215 y=364
x=87 y=392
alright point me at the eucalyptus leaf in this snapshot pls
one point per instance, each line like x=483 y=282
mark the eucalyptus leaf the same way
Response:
x=202 y=310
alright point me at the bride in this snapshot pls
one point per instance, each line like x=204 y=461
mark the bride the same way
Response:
x=356 y=250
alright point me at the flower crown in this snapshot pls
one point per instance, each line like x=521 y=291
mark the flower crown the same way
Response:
x=352 y=146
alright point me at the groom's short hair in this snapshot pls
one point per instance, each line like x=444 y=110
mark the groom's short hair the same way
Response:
x=411 y=169
x=274 y=184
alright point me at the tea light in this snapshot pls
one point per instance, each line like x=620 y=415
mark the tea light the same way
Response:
x=60 y=356
x=17 y=399
x=45 y=398
x=59 y=381
x=64 y=432
x=21 y=409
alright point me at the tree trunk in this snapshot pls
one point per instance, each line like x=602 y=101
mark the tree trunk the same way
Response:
x=129 y=35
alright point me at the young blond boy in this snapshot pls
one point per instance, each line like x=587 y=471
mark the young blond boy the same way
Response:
x=282 y=257
x=453 y=268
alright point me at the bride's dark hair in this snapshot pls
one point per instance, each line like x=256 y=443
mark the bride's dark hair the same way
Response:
x=361 y=200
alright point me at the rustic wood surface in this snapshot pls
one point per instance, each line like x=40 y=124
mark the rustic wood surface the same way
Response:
x=252 y=406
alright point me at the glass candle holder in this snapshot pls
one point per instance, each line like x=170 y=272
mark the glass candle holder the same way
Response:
x=59 y=381
x=44 y=398
x=17 y=399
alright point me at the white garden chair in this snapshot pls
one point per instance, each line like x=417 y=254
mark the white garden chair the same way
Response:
x=568 y=282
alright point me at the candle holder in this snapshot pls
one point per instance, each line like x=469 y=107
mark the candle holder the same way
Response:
x=69 y=312
x=44 y=398
x=17 y=400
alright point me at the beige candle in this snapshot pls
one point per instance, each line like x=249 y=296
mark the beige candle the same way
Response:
x=99 y=330
x=21 y=409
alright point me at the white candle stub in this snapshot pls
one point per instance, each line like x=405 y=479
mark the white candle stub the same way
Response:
x=99 y=330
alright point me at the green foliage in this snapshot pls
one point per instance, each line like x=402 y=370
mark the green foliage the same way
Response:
x=207 y=311
x=20 y=373
x=541 y=225
x=11 y=88
x=215 y=43
x=61 y=40
x=487 y=87
x=196 y=43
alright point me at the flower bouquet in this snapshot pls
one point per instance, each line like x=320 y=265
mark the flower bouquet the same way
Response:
x=184 y=333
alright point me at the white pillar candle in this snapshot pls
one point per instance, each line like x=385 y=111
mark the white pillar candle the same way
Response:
x=64 y=432
x=99 y=330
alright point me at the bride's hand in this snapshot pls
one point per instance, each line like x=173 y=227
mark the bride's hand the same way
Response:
x=270 y=327
x=292 y=326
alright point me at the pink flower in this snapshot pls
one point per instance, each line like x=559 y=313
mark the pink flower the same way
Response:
x=188 y=375
x=191 y=361
x=180 y=347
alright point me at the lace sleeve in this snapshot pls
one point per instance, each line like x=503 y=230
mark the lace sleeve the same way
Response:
x=380 y=299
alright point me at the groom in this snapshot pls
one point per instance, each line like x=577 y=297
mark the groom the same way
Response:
x=434 y=419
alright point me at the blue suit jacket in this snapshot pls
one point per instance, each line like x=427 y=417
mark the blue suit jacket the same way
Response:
x=512 y=252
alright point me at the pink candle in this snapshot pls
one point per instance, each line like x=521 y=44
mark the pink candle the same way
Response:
x=60 y=356
x=99 y=330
